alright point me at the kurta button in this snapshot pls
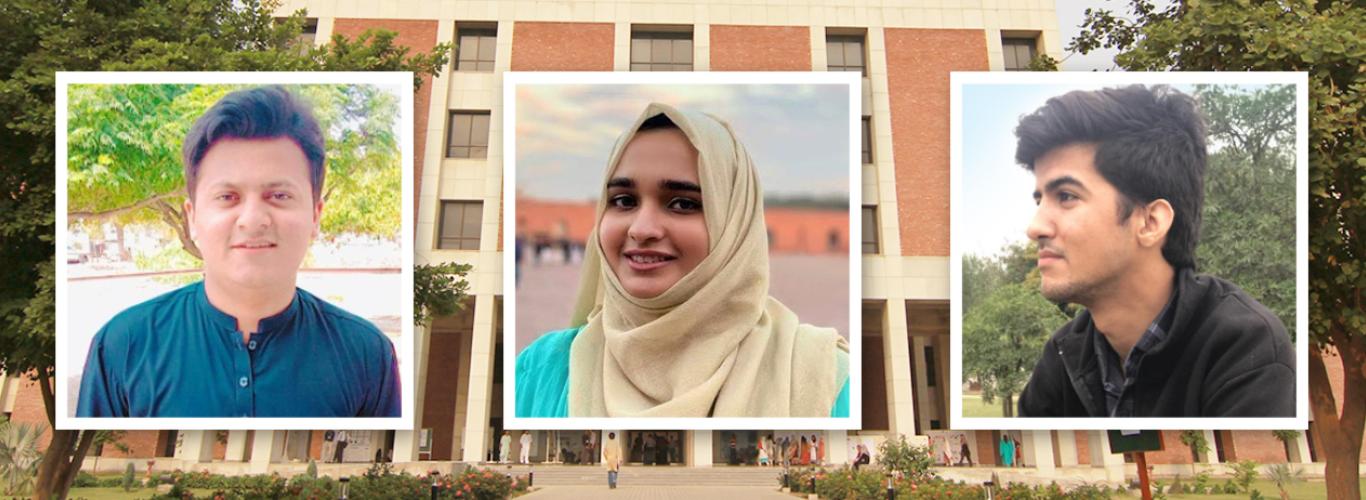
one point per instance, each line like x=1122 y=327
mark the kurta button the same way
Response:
x=251 y=345
x=242 y=381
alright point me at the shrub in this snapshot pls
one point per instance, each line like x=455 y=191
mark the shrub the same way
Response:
x=1244 y=471
x=937 y=489
x=312 y=471
x=900 y=456
x=129 y=477
x=846 y=483
x=85 y=480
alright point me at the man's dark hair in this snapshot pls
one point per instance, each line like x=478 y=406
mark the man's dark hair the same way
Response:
x=256 y=113
x=1150 y=144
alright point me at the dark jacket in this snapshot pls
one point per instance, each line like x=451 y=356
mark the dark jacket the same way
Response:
x=1225 y=354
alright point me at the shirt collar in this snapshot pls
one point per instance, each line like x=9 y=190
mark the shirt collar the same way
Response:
x=229 y=322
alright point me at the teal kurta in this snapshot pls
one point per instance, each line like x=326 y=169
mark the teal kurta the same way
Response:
x=543 y=378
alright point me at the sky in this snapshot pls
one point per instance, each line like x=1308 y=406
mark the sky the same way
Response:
x=798 y=135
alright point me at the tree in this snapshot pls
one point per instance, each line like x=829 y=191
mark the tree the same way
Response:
x=439 y=290
x=1195 y=440
x=1322 y=38
x=1002 y=339
x=42 y=37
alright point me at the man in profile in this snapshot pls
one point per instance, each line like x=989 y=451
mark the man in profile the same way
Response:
x=245 y=341
x=1119 y=182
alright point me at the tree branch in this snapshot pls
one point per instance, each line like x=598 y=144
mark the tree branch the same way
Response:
x=122 y=210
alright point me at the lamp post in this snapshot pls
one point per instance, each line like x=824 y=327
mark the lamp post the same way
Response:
x=344 y=480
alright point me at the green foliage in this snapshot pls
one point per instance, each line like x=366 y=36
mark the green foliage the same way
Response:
x=312 y=471
x=18 y=455
x=85 y=480
x=934 y=489
x=1202 y=484
x=1195 y=440
x=1286 y=435
x=909 y=461
x=1017 y=491
x=1283 y=475
x=846 y=483
x=130 y=477
x=1244 y=471
x=1003 y=337
x=439 y=290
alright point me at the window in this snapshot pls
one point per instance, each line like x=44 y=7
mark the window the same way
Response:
x=931 y=371
x=867 y=147
x=1018 y=53
x=661 y=51
x=309 y=34
x=460 y=224
x=476 y=49
x=844 y=53
x=469 y=135
x=870 y=230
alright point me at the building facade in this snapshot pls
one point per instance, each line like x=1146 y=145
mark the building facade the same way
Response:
x=904 y=51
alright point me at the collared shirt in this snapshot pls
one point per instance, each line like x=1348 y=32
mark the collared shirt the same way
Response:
x=178 y=356
x=1119 y=402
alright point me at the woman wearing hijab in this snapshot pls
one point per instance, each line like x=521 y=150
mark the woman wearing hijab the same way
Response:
x=611 y=457
x=673 y=314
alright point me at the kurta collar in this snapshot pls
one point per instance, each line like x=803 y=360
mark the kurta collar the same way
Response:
x=229 y=322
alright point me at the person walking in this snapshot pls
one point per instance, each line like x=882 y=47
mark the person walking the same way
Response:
x=965 y=453
x=763 y=453
x=340 y=451
x=504 y=447
x=1007 y=451
x=611 y=457
x=524 y=457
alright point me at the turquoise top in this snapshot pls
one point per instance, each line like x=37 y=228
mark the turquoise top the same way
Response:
x=543 y=369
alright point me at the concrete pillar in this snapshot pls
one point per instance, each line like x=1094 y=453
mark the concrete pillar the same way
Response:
x=1038 y=450
x=1211 y=456
x=701 y=42
x=1099 y=444
x=1299 y=450
x=237 y=447
x=837 y=447
x=196 y=446
x=897 y=362
x=1067 y=448
x=266 y=447
x=923 y=394
x=480 y=401
x=699 y=448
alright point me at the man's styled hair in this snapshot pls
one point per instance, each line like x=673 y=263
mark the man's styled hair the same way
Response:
x=256 y=113
x=1150 y=144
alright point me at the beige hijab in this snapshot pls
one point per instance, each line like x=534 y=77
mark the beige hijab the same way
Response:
x=714 y=344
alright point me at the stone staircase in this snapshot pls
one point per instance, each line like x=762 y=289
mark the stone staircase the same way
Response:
x=639 y=475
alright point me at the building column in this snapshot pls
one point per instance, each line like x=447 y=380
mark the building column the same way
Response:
x=237 y=447
x=837 y=447
x=1067 y=448
x=1211 y=456
x=1038 y=450
x=1099 y=444
x=1300 y=450
x=196 y=446
x=699 y=448
x=479 y=404
x=897 y=360
x=266 y=448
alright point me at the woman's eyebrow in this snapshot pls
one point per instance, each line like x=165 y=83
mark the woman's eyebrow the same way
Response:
x=621 y=182
x=672 y=185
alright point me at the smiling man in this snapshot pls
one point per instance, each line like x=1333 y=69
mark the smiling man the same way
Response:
x=1119 y=182
x=245 y=341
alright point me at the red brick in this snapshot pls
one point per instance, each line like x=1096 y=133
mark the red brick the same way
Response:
x=1261 y=446
x=1173 y=451
x=986 y=449
x=1083 y=447
x=760 y=48
x=418 y=37
x=438 y=408
x=918 y=66
x=540 y=46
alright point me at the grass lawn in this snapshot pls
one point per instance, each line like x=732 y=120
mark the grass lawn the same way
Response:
x=1303 y=490
x=118 y=493
x=974 y=407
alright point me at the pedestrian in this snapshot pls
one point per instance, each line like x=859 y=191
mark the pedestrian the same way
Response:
x=525 y=456
x=1007 y=451
x=638 y=448
x=504 y=447
x=1019 y=453
x=340 y=453
x=734 y=456
x=763 y=453
x=820 y=450
x=611 y=457
x=662 y=447
x=965 y=454
x=862 y=457
x=649 y=449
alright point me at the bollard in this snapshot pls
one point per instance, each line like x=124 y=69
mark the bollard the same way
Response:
x=530 y=478
x=436 y=483
x=344 y=480
x=891 y=489
x=813 y=483
x=988 y=486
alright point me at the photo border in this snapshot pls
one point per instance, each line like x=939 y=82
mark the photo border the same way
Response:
x=513 y=79
x=1301 y=419
x=406 y=354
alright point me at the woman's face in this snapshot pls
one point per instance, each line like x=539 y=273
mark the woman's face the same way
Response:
x=653 y=232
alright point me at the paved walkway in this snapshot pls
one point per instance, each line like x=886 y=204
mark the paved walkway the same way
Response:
x=658 y=492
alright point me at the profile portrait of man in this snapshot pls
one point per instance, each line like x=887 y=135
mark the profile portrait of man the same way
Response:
x=1119 y=186
x=245 y=341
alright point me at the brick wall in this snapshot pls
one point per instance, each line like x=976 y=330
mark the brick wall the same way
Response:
x=1261 y=446
x=28 y=408
x=875 y=410
x=918 y=66
x=986 y=448
x=760 y=48
x=1083 y=447
x=541 y=46
x=1173 y=451
x=418 y=37
x=438 y=409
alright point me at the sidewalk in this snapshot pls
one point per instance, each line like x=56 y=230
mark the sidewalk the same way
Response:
x=624 y=491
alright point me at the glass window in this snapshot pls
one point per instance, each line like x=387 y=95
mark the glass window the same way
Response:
x=661 y=51
x=844 y=53
x=867 y=147
x=460 y=225
x=1018 y=52
x=870 y=230
x=477 y=47
x=469 y=135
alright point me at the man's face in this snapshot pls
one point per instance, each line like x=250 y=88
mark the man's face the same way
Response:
x=1083 y=246
x=253 y=215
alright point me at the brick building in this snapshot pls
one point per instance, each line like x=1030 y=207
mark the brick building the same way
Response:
x=904 y=50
